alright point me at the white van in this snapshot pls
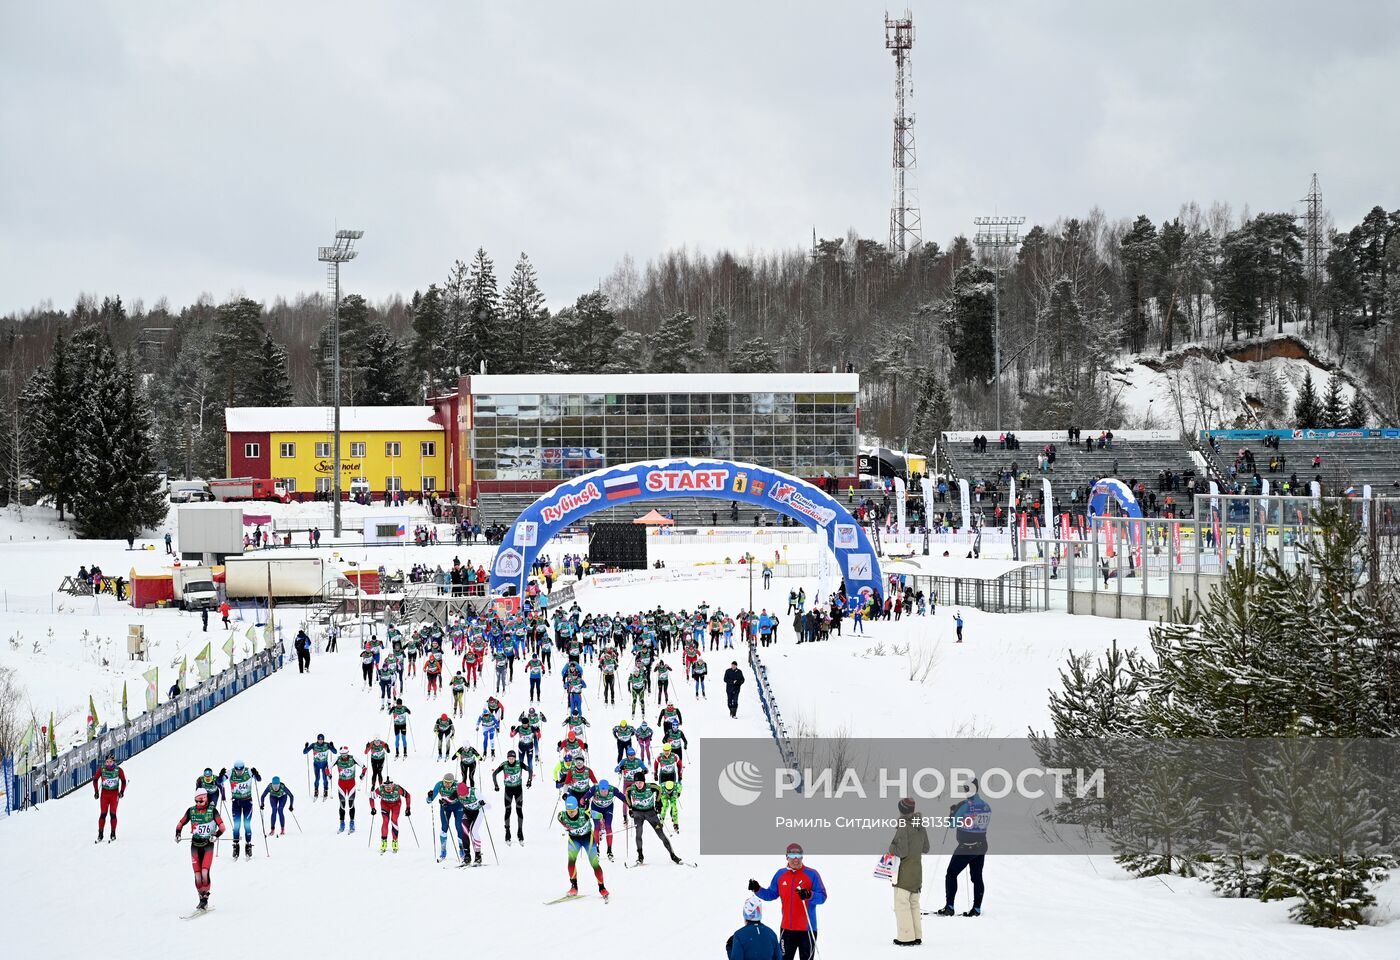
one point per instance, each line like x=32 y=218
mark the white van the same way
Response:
x=189 y=491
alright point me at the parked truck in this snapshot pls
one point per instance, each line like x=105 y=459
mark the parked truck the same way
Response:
x=248 y=488
x=282 y=577
x=193 y=588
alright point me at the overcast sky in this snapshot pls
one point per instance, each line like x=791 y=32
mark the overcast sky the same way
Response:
x=156 y=148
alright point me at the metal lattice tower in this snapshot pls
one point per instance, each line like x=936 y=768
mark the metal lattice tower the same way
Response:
x=906 y=231
x=1314 y=248
x=997 y=234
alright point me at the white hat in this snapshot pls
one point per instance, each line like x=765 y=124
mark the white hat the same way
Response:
x=753 y=910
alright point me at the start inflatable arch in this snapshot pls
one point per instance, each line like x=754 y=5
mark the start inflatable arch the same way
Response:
x=1118 y=490
x=638 y=483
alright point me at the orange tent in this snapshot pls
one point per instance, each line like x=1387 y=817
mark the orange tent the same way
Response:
x=654 y=519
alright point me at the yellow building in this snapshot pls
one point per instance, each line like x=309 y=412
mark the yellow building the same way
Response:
x=385 y=448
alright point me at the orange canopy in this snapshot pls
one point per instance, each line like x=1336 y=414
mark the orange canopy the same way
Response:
x=652 y=518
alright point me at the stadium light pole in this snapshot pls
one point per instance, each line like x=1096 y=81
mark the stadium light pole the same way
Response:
x=342 y=251
x=997 y=234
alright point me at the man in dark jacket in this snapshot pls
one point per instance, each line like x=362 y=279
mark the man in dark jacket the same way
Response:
x=754 y=940
x=733 y=680
x=303 y=649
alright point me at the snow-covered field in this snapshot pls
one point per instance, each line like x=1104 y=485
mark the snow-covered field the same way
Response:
x=319 y=891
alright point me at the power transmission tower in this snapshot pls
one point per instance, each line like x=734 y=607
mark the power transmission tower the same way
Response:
x=997 y=234
x=906 y=232
x=1314 y=243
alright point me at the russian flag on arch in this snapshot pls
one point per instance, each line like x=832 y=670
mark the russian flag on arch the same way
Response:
x=401 y=531
x=626 y=485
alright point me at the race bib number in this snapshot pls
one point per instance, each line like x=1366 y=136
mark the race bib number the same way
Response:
x=111 y=783
x=205 y=830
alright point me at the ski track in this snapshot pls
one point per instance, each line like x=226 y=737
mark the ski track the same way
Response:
x=63 y=892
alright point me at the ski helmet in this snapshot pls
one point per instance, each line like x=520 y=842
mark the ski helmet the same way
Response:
x=603 y=784
x=276 y=781
x=449 y=778
x=570 y=803
x=238 y=764
x=666 y=748
x=631 y=752
x=443 y=717
x=208 y=771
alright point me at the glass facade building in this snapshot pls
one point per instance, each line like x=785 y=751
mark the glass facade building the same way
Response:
x=539 y=430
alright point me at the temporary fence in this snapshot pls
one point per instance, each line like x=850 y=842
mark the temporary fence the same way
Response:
x=76 y=767
x=772 y=713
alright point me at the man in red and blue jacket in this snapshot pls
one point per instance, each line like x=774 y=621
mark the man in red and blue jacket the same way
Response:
x=799 y=889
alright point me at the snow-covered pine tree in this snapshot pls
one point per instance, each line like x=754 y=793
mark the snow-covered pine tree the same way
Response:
x=431 y=351
x=719 y=331
x=754 y=355
x=385 y=381
x=1307 y=414
x=268 y=383
x=483 y=332
x=116 y=493
x=51 y=404
x=525 y=322
x=1356 y=412
x=672 y=346
x=1333 y=409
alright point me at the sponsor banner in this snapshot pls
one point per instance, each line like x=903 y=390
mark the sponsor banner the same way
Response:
x=1365 y=433
x=527 y=534
x=845 y=536
x=509 y=564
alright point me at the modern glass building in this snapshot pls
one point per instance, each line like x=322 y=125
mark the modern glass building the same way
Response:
x=521 y=434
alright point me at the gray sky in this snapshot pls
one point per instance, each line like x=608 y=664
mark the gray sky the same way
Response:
x=164 y=148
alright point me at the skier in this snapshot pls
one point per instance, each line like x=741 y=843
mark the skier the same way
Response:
x=488 y=723
x=607 y=663
x=108 y=787
x=474 y=807
x=663 y=682
x=698 y=669
x=957 y=619
x=601 y=806
x=623 y=734
x=800 y=891
x=444 y=730
x=534 y=669
x=206 y=826
x=432 y=668
x=733 y=680
x=459 y=690
x=467 y=759
x=471 y=662
x=668 y=765
x=321 y=752
x=644 y=735
x=390 y=796
x=972 y=815
x=367 y=665
x=630 y=767
x=449 y=810
x=398 y=714
x=577 y=780
x=670 y=803
x=578 y=825
x=345 y=768
x=388 y=674
x=377 y=750
x=668 y=712
x=754 y=940
x=637 y=686
x=212 y=783
x=240 y=785
x=514 y=792
x=281 y=798
x=641 y=799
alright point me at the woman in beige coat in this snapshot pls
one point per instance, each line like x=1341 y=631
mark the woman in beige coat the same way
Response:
x=910 y=843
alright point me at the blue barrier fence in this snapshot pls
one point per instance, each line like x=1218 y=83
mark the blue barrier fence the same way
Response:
x=76 y=767
x=772 y=713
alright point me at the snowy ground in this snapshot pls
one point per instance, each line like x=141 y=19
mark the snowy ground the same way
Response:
x=316 y=882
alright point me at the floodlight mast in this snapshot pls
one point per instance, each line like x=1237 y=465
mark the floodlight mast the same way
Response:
x=343 y=251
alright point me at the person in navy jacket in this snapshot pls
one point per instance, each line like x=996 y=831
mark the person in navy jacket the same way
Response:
x=799 y=889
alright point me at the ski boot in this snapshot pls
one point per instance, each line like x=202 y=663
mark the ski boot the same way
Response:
x=946 y=912
x=235 y=849
x=641 y=859
x=113 y=837
x=352 y=826
x=383 y=844
x=573 y=888
x=610 y=855
x=676 y=859
x=478 y=858
x=248 y=849
x=974 y=912
x=342 y=827
x=203 y=902
x=602 y=891
x=396 y=845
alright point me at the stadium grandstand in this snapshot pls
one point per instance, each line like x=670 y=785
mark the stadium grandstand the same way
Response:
x=1343 y=461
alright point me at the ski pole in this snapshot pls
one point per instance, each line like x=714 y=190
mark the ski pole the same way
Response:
x=263 y=821
x=307 y=758
x=490 y=838
x=294 y=819
x=369 y=834
x=409 y=817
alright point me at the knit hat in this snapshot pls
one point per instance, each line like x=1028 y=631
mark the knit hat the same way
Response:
x=753 y=910
x=906 y=806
